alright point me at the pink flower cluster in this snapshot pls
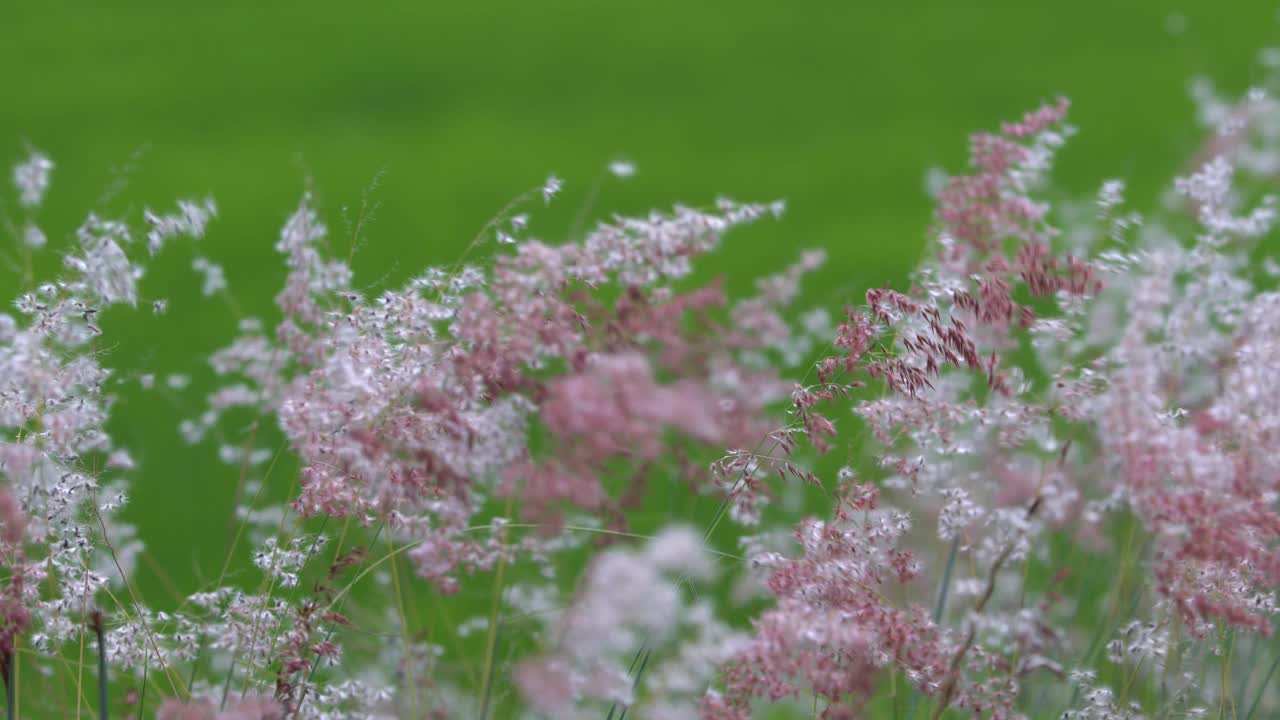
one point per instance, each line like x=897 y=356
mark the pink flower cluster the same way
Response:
x=1050 y=373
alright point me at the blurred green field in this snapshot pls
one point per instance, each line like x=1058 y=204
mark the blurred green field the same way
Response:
x=457 y=107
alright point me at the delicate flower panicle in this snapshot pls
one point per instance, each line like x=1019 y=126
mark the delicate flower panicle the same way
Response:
x=15 y=615
x=215 y=280
x=551 y=188
x=1010 y=400
x=13 y=525
x=833 y=628
x=632 y=604
x=980 y=210
x=977 y=213
x=191 y=219
x=32 y=179
x=33 y=237
x=53 y=409
x=923 y=347
x=622 y=169
x=1191 y=459
x=106 y=275
x=418 y=401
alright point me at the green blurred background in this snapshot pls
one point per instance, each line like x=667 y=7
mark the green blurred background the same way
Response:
x=457 y=107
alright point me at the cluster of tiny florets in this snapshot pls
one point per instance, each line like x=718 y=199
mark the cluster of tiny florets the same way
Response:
x=1054 y=375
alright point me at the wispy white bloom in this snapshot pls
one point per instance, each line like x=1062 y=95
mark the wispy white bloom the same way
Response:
x=622 y=169
x=32 y=179
x=551 y=188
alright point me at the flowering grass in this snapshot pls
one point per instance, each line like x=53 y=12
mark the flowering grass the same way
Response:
x=573 y=480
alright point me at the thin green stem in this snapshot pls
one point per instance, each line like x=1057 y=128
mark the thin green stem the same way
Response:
x=946 y=581
x=494 y=637
x=195 y=664
x=226 y=685
x=9 y=690
x=635 y=685
x=1261 y=690
x=142 y=694
x=103 y=712
x=642 y=652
